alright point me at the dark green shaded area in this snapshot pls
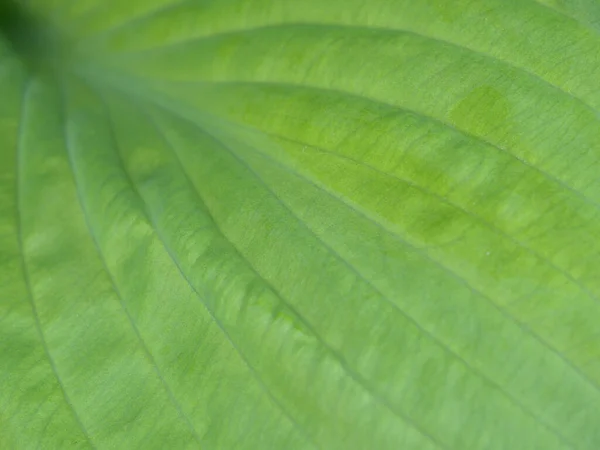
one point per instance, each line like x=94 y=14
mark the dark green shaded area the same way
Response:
x=32 y=39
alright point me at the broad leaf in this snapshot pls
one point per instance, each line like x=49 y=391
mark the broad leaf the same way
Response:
x=297 y=224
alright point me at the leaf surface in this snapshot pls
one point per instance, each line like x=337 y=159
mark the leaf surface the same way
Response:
x=280 y=224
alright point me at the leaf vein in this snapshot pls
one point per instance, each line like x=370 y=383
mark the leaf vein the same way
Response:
x=463 y=48
x=25 y=270
x=142 y=343
x=399 y=310
x=356 y=377
x=200 y=297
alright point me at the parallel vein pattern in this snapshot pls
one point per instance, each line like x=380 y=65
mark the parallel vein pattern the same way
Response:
x=248 y=224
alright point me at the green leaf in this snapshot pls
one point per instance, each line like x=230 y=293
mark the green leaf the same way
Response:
x=282 y=224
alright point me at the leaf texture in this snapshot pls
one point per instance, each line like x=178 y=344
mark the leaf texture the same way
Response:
x=269 y=224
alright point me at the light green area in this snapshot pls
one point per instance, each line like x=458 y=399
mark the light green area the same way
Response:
x=285 y=224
